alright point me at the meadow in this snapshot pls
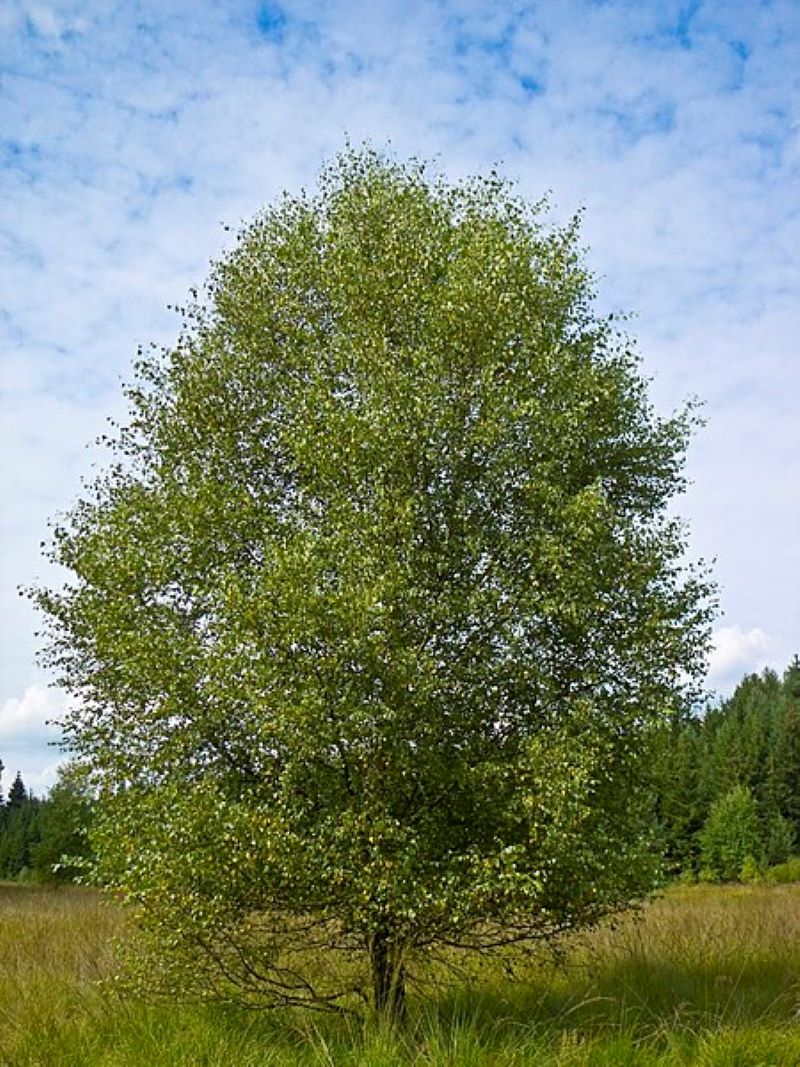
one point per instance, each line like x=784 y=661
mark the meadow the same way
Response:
x=707 y=975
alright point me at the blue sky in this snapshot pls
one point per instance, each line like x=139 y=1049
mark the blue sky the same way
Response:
x=131 y=131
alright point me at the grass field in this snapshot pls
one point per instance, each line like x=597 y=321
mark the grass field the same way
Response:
x=708 y=976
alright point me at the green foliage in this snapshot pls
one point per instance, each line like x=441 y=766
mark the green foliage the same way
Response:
x=751 y=870
x=677 y=768
x=62 y=850
x=374 y=619
x=19 y=831
x=732 y=834
x=45 y=840
x=750 y=740
x=17 y=794
x=784 y=776
x=780 y=839
x=785 y=873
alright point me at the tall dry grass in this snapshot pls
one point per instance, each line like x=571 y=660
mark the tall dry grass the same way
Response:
x=706 y=975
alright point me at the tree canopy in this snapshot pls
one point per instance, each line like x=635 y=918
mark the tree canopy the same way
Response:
x=376 y=607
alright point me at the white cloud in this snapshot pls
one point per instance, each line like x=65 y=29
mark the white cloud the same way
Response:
x=48 y=24
x=30 y=737
x=40 y=778
x=31 y=717
x=737 y=652
x=45 y=21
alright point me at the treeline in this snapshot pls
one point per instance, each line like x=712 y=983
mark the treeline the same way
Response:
x=728 y=781
x=44 y=839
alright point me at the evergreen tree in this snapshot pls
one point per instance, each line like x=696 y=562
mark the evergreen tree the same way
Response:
x=740 y=738
x=779 y=837
x=785 y=750
x=20 y=833
x=679 y=808
x=750 y=741
x=17 y=794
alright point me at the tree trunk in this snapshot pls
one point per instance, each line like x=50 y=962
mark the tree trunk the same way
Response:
x=388 y=978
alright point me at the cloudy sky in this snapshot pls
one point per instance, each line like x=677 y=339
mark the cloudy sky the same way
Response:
x=132 y=131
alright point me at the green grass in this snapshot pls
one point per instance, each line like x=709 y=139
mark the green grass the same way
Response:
x=710 y=975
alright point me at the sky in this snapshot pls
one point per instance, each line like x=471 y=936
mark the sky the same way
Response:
x=133 y=133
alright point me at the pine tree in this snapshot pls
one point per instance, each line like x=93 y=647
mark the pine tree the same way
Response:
x=17 y=794
x=679 y=807
x=20 y=835
x=785 y=749
x=750 y=741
